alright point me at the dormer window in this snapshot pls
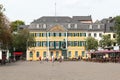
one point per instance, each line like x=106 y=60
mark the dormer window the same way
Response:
x=69 y=26
x=98 y=26
x=75 y=26
x=44 y=26
x=37 y=25
x=90 y=27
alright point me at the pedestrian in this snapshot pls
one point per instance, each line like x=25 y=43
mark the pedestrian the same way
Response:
x=40 y=58
x=60 y=59
x=52 y=58
x=47 y=58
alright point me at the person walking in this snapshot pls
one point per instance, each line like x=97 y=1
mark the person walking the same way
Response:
x=52 y=59
x=40 y=59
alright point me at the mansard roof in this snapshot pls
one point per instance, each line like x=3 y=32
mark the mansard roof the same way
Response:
x=82 y=18
x=53 y=19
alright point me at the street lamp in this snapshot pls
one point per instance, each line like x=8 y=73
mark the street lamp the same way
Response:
x=14 y=53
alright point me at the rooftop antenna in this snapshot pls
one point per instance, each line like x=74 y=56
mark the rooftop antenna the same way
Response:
x=55 y=7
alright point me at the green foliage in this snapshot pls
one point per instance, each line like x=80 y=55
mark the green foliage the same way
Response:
x=105 y=41
x=117 y=28
x=5 y=34
x=22 y=39
x=91 y=43
x=16 y=24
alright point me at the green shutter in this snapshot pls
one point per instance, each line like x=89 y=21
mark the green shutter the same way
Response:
x=80 y=43
x=80 y=34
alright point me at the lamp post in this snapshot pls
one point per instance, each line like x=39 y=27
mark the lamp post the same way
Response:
x=14 y=53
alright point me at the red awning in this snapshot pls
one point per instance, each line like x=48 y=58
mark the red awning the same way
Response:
x=18 y=53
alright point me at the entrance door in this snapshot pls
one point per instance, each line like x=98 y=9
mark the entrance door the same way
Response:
x=64 y=53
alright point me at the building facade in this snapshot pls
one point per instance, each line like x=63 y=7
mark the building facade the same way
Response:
x=62 y=36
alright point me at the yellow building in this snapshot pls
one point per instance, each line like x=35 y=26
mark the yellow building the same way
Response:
x=58 y=36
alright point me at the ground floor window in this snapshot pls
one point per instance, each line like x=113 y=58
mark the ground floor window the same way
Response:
x=83 y=53
x=69 y=54
x=76 y=54
x=37 y=54
x=44 y=54
x=51 y=53
x=31 y=54
x=57 y=53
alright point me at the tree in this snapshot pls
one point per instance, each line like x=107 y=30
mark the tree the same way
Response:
x=117 y=28
x=16 y=24
x=91 y=44
x=5 y=34
x=105 y=41
x=22 y=40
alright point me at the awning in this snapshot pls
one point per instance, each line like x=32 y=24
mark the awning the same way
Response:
x=18 y=53
x=105 y=51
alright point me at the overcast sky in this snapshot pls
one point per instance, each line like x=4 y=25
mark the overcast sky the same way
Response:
x=28 y=10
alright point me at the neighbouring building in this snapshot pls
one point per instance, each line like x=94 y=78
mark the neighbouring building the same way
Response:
x=63 y=36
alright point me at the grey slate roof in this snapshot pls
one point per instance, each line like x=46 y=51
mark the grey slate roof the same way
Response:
x=64 y=21
x=82 y=18
x=53 y=19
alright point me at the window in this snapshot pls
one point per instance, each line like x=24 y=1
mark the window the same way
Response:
x=69 y=26
x=75 y=43
x=57 y=34
x=89 y=34
x=51 y=44
x=95 y=35
x=69 y=54
x=84 y=34
x=57 y=45
x=44 y=44
x=51 y=53
x=44 y=26
x=75 y=26
x=76 y=54
x=63 y=34
x=31 y=54
x=37 y=34
x=83 y=53
x=37 y=25
x=80 y=34
x=38 y=43
x=100 y=34
x=98 y=26
x=37 y=54
x=51 y=34
x=114 y=35
x=57 y=53
x=44 y=34
x=109 y=35
x=90 y=27
x=44 y=54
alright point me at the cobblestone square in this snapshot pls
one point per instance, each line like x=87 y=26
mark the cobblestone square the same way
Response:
x=34 y=70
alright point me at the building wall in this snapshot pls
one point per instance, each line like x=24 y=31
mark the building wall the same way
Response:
x=76 y=49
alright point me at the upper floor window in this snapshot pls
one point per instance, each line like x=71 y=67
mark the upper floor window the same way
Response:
x=37 y=25
x=75 y=26
x=89 y=34
x=100 y=34
x=44 y=26
x=90 y=26
x=114 y=35
x=109 y=35
x=95 y=35
x=98 y=26
x=69 y=26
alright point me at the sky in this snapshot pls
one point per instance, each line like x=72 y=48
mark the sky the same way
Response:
x=29 y=10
